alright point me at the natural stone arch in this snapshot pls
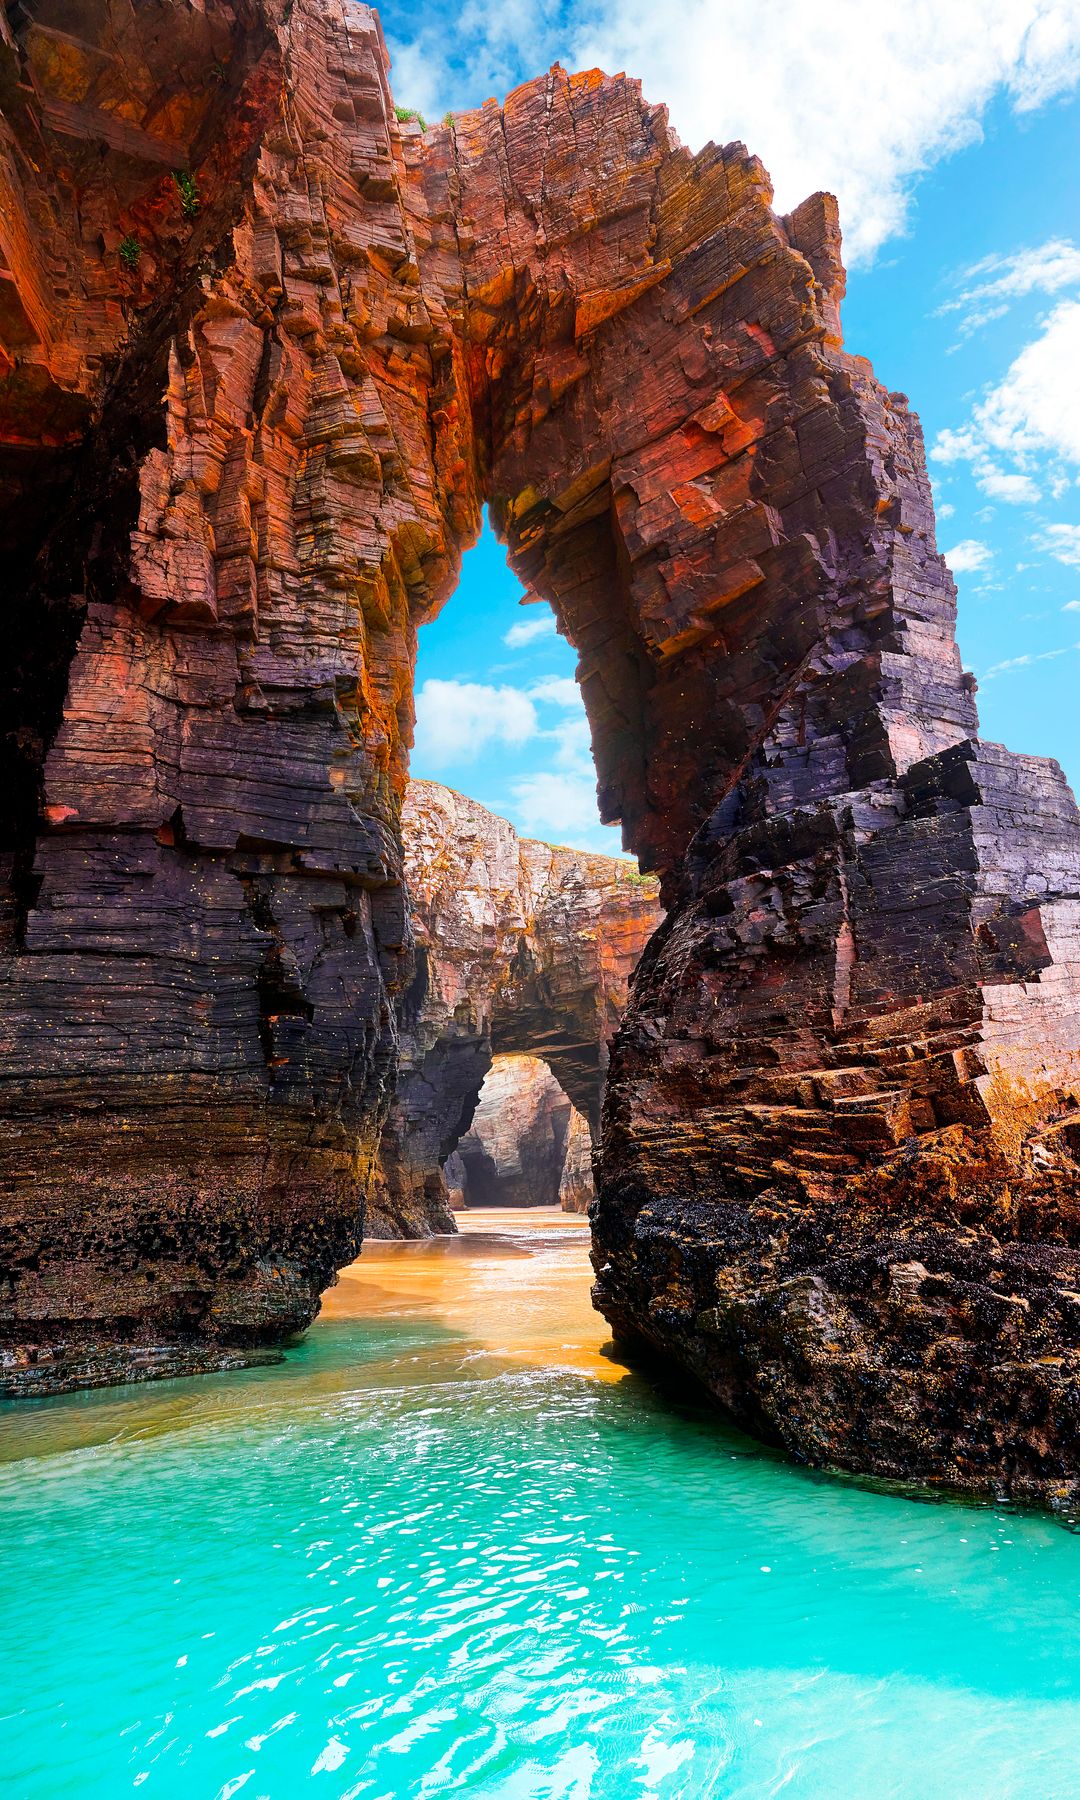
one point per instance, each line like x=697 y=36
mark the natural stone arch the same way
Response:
x=527 y=1145
x=859 y=1025
x=521 y=947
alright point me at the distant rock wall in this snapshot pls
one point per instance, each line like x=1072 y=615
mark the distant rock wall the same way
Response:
x=514 y=1151
x=576 y=1189
x=521 y=948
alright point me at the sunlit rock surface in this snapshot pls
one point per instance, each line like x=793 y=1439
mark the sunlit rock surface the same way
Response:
x=247 y=421
x=576 y=1190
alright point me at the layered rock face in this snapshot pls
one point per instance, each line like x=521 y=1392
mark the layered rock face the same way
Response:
x=205 y=922
x=248 y=419
x=840 y=1156
x=523 y=950
x=576 y=1188
x=514 y=1152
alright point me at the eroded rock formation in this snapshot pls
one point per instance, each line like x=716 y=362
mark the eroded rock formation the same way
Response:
x=204 y=910
x=840 y=1157
x=576 y=1189
x=248 y=418
x=521 y=948
x=514 y=1151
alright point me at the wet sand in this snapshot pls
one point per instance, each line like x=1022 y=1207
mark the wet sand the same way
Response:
x=514 y=1282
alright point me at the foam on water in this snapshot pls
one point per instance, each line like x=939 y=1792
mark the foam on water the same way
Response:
x=451 y=1548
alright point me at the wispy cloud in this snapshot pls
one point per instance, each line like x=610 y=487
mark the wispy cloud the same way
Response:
x=556 y=804
x=457 y=720
x=969 y=556
x=990 y=287
x=1013 y=664
x=558 y=690
x=530 y=631
x=1063 y=543
x=559 y=803
x=856 y=98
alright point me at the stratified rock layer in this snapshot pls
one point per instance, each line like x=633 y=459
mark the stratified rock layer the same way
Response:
x=514 y=1151
x=840 y=1152
x=248 y=421
x=204 y=912
x=522 y=949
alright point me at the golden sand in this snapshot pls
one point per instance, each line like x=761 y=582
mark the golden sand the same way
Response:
x=511 y=1288
x=515 y=1282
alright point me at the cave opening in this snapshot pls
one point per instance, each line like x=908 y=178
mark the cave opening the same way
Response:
x=527 y=1146
x=528 y=919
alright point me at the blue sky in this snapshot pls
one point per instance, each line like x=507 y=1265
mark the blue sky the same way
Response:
x=951 y=133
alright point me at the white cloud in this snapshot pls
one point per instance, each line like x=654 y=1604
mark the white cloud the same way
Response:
x=559 y=690
x=996 y=281
x=1071 y=606
x=854 y=97
x=1013 y=663
x=1062 y=542
x=561 y=809
x=573 y=741
x=968 y=556
x=556 y=805
x=1037 y=406
x=456 y=720
x=945 y=510
x=1031 y=419
x=559 y=803
x=571 y=737
x=530 y=631
x=1011 y=486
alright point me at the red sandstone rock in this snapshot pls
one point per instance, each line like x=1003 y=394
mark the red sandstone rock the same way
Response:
x=242 y=473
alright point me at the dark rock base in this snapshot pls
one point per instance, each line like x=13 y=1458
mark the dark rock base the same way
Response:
x=167 y=1240
x=56 y=1370
x=930 y=1353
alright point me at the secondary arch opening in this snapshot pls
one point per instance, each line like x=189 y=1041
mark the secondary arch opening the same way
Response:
x=527 y=1146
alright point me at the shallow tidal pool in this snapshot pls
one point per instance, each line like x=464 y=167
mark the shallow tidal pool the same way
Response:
x=452 y=1547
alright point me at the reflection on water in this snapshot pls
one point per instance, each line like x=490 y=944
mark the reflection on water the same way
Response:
x=450 y=1547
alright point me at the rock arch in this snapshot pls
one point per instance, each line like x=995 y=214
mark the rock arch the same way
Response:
x=527 y=1146
x=520 y=948
x=266 y=417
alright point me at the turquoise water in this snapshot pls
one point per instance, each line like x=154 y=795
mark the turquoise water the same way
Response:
x=424 y=1558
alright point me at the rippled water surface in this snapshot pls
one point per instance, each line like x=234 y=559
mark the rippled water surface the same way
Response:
x=450 y=1547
